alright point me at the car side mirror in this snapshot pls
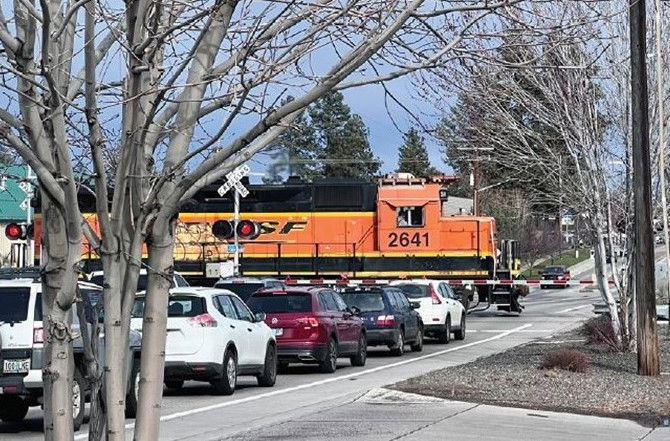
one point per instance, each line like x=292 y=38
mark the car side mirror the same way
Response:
x=355 y=310
x=414 y=305
x=259 y=317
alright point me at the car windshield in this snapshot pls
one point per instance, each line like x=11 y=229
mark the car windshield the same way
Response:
x=415 y=291
x=281 y=303
x=365 y=301
x=14 y=304
x=244 y=290
x=554 y=269
x=178 y=306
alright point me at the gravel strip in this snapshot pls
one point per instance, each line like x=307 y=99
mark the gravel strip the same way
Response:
x=609 y=387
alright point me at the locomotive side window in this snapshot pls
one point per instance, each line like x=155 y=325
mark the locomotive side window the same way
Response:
x=410 y=216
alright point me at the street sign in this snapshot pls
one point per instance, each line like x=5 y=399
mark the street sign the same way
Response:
x=24 y=204
x=232 y=248
x=233 y=180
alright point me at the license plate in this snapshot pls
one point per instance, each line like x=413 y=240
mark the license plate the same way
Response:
x=279 y=332
x=16 y=366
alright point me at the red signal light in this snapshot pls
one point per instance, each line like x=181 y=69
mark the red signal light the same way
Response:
x=16 y=231
x=247 y=229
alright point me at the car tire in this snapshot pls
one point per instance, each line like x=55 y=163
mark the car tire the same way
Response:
x=445 y=337
x=329 y=364
x=460 y=333
x=269 y=376
x=174 y=385
x=362 y=354
x=226 y=384
x=13 y=408
x=399 y=347
x=133 y=392
x=78 y=399
x=417 y=346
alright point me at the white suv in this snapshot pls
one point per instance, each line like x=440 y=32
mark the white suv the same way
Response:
x=439 y=306
x=212 y=336
x=22 y=350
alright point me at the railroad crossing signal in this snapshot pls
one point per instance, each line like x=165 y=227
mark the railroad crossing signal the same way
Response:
x=233 y=180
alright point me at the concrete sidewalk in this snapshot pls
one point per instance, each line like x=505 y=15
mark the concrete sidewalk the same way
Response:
x=385 y=415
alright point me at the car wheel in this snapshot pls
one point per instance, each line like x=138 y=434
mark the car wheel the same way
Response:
x=78 y=399
x=399 y=347
x=134 y=391
x=174 y=385
x=329 y=364
x=269 y=376
x=226 y=384
x=460 y=334
x=362 y=355
x=12 y=408
x=445 y=337
x=417 y=346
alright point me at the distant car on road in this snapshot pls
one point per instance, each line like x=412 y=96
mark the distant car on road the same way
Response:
x=98 y=277
x=246 y=286
x=389 y=318
x=558 y=273
x=440 y=307
x=312 y=325
x=213 y=336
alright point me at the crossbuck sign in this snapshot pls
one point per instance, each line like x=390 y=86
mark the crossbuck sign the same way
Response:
x=233 y=180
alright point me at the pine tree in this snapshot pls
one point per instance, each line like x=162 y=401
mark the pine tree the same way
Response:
x=344 y=138
x=413 y=156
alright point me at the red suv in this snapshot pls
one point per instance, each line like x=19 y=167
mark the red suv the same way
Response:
x=312 y=325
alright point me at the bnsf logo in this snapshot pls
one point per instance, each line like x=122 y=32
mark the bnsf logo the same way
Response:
x=268 y=227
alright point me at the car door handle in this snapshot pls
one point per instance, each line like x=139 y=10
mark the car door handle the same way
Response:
x=249 y=329
x=232 y=326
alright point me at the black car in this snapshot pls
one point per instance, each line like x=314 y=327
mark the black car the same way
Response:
x=388 y=316
x=245 y=286
x=558 y=273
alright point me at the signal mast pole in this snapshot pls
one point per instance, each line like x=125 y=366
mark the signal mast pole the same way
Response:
x=236 y=220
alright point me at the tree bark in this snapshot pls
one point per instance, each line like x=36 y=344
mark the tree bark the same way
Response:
x=645 y=290
x=161 y=246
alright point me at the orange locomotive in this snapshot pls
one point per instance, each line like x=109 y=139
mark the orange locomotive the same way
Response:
x=397 y=227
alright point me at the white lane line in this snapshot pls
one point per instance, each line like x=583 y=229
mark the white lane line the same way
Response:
x=495 y=331
x=322 y=382
x=574 y=308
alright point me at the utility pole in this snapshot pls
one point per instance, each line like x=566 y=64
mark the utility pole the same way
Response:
x=661 y=136
x=475 y=184
x=645 y=298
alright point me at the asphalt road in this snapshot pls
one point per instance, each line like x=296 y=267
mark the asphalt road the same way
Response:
x=194 y=413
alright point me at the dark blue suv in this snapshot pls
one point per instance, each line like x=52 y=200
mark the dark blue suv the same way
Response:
x=389 y=318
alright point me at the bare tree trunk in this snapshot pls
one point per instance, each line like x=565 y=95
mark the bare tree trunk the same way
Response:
x=58 y=365
x=161 y=257
x=603 y=284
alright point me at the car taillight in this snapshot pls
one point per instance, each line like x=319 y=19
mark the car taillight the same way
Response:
x=204 y=320
x=38 y=335
x=309 y=322
x=434 y=297
x=386 y=321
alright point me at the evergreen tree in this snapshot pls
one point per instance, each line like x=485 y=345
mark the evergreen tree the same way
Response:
x=413 y=156
x=344 y=139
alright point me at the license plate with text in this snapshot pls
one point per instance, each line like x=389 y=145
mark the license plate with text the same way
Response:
x=16 y=366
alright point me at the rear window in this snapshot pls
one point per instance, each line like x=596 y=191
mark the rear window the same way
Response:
x=178 y=306
x=366 y=302
x=415 y=291
x=243 y=290
x=554 y=269
x=14 y=304
x=281 y=303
